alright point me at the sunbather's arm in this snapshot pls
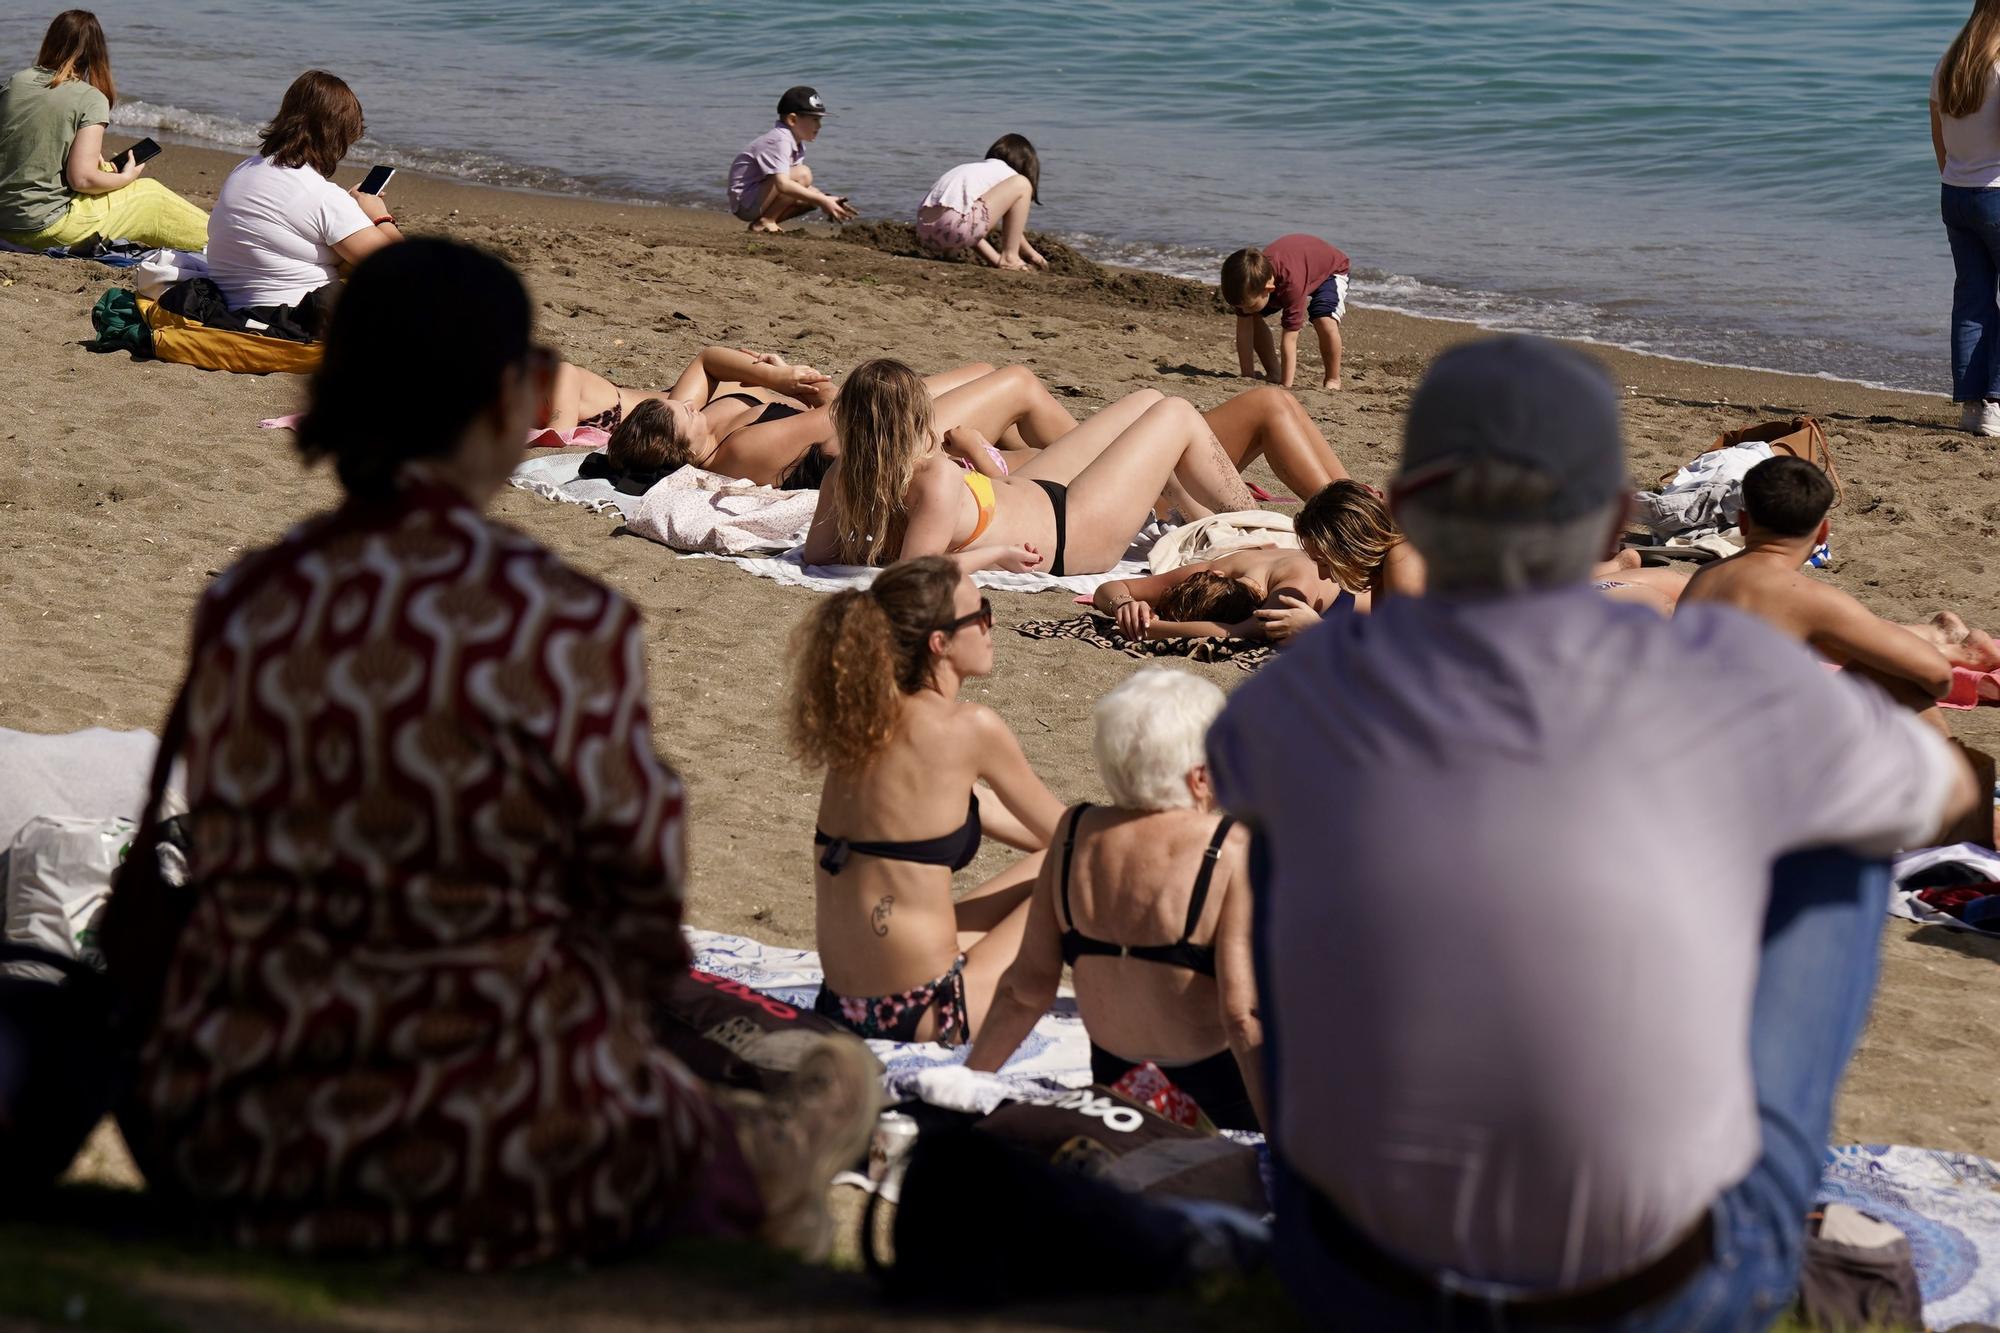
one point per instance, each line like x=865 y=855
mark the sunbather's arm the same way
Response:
x=1848 y=632
x=1130 y=601
x=1236 y=974
x=1203 y=629
x=1285 y=613
x=732 y=365
x=997 y=822
x=1028 y=986
x=1005 y=767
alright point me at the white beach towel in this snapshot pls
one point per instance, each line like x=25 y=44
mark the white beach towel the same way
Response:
x=553 y=477
x=1218 y=535
x=1904 y=902
x=693 y=510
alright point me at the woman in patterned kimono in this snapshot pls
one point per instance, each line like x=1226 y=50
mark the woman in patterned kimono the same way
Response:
x=436 y=864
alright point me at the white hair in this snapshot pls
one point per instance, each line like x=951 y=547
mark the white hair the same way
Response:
x=1151 y=732
x=1476 y=535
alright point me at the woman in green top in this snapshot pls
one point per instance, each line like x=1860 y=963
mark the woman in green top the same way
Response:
x=55 y=186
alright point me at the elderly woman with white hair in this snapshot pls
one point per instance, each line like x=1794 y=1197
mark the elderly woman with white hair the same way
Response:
x=1149 y=903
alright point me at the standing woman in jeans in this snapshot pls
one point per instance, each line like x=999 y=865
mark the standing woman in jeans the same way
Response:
x=55 y=186
x=1965 y=132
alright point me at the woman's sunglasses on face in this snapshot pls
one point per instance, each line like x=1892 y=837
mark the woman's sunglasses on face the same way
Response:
x=983 y=618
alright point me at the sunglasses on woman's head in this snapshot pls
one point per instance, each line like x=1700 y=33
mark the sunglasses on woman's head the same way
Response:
x=983 y=617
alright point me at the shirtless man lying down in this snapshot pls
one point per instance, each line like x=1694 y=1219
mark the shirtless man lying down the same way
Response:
x=1785 y=501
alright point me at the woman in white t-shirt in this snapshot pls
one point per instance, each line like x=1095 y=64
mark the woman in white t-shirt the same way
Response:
x=281 y=229
x=970 y=200
x=1965 y=132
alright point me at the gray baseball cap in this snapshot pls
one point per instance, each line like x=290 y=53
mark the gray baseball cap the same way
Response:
x=1527 y=401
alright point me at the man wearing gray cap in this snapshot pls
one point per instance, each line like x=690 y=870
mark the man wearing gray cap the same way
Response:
x=1554 y=1031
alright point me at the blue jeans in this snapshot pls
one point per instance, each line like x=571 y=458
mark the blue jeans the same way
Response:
x=1972 y=225
x=1814 y=984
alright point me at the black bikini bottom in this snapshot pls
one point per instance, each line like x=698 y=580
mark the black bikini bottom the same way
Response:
x=1059 y=501
x=1216 y=1084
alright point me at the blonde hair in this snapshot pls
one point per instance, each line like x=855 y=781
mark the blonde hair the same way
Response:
x=1151 y=732
x=882 y=419
x=858 y=653
x=1969 y=60
x=1348 y=527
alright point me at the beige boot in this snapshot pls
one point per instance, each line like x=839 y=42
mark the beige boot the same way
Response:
x=795 y=1140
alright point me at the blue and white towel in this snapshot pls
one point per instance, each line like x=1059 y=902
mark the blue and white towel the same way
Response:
x=1948 y=1204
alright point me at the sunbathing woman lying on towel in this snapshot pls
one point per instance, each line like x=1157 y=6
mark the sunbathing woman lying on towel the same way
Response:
x=892 y=494
x=875 y=703
x=748 y=414
x=1220 y=598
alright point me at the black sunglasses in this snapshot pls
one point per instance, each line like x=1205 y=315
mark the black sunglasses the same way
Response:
x=983 y=617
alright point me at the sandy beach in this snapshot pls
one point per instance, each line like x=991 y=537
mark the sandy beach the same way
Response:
x=130 y=484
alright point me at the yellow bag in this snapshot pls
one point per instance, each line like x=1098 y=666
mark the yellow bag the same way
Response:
x=177 y=338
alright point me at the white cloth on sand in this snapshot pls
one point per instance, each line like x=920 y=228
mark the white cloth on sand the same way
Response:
x=693 y=510
x=1904 y=903
x=1218 y=535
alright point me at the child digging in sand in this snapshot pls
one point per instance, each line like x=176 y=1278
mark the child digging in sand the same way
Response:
x=971 y=199
x=1305 y=278
x=769 y=182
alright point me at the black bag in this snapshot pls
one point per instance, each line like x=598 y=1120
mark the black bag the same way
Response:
x=62 y=1064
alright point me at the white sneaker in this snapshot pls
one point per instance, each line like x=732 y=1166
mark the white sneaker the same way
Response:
x=1980 y=417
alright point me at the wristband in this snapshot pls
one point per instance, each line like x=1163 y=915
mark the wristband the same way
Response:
x=385 y=220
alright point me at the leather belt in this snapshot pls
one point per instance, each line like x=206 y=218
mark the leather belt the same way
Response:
x=1600 y=1303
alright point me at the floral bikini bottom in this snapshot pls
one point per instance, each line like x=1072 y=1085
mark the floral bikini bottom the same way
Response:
x=895 y=1017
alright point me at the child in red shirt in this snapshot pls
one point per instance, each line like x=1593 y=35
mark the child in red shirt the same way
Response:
x=1305 y=278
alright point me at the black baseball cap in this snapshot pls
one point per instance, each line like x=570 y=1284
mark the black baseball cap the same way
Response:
x=802 y=101
x=1528 y=401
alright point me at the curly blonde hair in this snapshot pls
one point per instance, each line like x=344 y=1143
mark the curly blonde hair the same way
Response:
x=1348 y=527
x=883 y=421
x=858 y=653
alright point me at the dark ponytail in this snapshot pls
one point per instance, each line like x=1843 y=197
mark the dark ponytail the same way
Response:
x=420 y=338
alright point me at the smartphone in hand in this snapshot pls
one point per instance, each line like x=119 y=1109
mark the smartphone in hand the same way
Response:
x=143 y=151
x=377 y=181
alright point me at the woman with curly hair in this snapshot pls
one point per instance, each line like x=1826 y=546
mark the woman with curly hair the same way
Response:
x=876 y=676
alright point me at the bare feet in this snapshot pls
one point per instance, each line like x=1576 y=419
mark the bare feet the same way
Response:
x=1012 y=264
x=1627 y=558
x=1965 y=646
x=764 y=225
x=1333 y=383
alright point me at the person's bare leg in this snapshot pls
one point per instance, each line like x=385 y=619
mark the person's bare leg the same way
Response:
x=986 y=961
x=576 y=393
x=1267 y=350
x=1007 y=204
x=773 y=208
x=1961 y=644
x=1109 y=499
x=987 y=906
x=945 y=381
x=1328 y=329
x=1062 y=461
x=1271 y=424
x=1005 y=400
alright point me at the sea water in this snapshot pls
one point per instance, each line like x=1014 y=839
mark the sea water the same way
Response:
x=1748 y=184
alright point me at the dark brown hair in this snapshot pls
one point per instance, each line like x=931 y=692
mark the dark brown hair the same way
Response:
x=858 y=652
x=1209 y=595
x=1018 y=153
x=1786 y=496
x=1244 y=272
x=316 y=124
x=417 y=347
x=73 y=48
x=648 y=440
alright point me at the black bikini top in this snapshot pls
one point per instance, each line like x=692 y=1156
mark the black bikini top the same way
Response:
x=771 y=412
x=955 y=849
x=1194 y=957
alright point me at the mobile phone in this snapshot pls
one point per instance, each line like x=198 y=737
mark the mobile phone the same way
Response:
x=144 y=151
x=378 y=180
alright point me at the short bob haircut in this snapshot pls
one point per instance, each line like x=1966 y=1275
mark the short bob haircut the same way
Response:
x=319 y=120
x=1152 y=731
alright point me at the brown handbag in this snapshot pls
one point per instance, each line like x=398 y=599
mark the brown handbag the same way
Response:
x=1801 y=437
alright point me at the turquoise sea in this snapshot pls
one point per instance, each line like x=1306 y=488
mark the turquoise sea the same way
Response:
x=1746 y=184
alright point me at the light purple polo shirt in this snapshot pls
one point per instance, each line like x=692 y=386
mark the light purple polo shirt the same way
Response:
x=1520 y=853
x=776 y=149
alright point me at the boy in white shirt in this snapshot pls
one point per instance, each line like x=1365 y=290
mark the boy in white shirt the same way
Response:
x=769 y=182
